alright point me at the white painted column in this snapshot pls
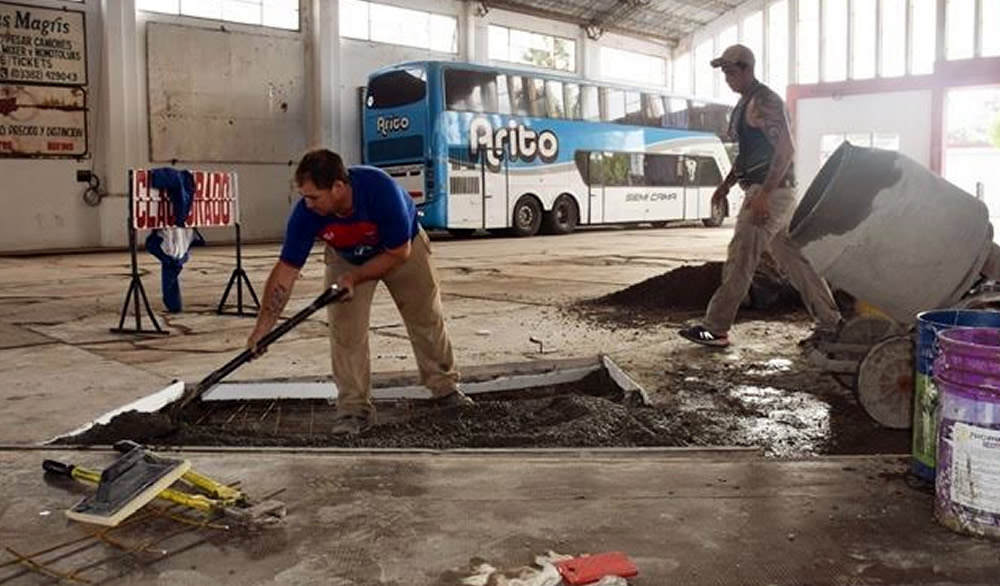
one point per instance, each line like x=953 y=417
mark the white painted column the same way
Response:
x=119 y=147
x=323 y=53
x=473 y=34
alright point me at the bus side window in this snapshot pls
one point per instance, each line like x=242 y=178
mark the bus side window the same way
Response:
x=536 y=96
x=590 y=103
x=612 y=105
x=471 y=91
x=707 y=173
x=636 y=169
x=503 y=95
x=554 y=99
x=633 y=108
x=662 y=171
x=571 y=92
x=677 y=113
x=652 y=110
x=518 y=98
x=614 y=169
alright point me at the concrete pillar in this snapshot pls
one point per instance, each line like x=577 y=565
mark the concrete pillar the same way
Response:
x=323 y=54
x=118 y=148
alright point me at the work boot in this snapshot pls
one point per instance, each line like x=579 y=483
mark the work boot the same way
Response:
x=346 y=424
x=455 y=398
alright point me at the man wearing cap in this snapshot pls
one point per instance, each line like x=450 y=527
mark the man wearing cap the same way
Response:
x=763 y=169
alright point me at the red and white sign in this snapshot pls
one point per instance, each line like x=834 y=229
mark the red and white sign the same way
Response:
x=214 y=204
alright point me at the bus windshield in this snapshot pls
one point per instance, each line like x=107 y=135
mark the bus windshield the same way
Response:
x=397 y=88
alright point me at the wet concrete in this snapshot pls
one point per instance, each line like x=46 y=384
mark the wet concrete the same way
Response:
x=421 y=519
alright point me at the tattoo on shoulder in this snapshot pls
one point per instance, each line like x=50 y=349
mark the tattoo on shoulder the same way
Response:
x=771 y=116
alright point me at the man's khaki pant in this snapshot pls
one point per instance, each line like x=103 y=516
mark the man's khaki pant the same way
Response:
x=414 y=288
x=749 y=242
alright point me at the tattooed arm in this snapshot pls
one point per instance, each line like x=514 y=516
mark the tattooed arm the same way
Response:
x=276 y=293
x=768 y=113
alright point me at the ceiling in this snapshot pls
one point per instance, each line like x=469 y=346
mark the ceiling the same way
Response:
x=663 y=20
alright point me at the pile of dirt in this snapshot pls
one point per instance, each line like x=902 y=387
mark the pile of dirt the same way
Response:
x=687 y=290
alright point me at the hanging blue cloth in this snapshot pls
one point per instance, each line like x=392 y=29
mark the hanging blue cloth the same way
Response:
x=179 y=185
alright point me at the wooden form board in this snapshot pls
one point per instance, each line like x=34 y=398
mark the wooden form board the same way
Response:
x=222 y=96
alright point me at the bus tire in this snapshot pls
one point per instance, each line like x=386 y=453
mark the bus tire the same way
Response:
x=527 y=216
x=563 y=217
x=719 y=212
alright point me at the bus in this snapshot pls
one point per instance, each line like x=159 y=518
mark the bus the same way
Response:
x=517 y=150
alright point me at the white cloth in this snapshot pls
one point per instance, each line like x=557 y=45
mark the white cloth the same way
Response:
x=176 y=241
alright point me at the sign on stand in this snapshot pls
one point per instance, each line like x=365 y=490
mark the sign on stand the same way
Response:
x=214 y=203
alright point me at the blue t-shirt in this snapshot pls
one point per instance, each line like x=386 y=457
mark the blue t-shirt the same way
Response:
x=384 y=217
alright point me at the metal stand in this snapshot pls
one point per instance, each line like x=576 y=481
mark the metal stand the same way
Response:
x=135 y=288
x=239 y=277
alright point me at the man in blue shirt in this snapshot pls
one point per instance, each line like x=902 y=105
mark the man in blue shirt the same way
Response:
x=370 y=228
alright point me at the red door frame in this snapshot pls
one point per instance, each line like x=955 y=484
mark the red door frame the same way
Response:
x=947 y=75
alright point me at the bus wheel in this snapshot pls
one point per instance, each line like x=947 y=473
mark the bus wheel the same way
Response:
x=527 y=216
x=718 y=214
x=563 y=217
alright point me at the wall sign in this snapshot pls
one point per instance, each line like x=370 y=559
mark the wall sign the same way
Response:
x=42 y=45
x=42 y=121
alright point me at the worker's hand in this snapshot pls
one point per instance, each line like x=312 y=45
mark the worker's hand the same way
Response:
x=253 y=342
x=346 y=282
x=760 y=207
x=720 y=195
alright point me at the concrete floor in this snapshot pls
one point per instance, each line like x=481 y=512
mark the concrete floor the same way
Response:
x=408 y=519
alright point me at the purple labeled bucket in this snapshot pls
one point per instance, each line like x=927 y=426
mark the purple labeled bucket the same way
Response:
x=967 y=485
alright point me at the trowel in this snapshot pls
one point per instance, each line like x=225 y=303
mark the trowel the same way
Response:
x=328 y=296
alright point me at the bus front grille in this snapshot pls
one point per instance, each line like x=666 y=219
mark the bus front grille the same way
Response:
x=464 y=185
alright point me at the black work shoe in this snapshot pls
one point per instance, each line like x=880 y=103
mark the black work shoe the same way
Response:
x=699 y=335
x=350 y=423
x=454 y=399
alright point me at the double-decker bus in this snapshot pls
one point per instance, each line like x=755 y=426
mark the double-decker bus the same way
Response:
x=510 y=149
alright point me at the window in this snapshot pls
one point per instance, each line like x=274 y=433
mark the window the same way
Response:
x=677 y=113
x=612 y=105
x=712 y=118
x=274 y=13
x=590 y=103
x=834 y=40
x=924 y=27
x=682 y=73
x=540 y=50
x=893 y=35
x=777 y=51
x=554 y=99
x=527 y=95
x=752 y=34
x=828 y=143
x=702 y=70
x=397 y=88
x=807 y=65
x=990 y=23
x=633 y=108
x=470 y=91
x=960 y=18
x=631 y=66
x=663 y=170
x=571 y=95
x=382 y=23
x=652 y=110
x=727 y=37
x=863 y=14
x=702 y=171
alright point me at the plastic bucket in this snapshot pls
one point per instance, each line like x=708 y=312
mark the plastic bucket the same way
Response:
x=925 y=395
x=967 y=487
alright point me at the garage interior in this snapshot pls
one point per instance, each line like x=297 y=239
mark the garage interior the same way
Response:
x=755 y=464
